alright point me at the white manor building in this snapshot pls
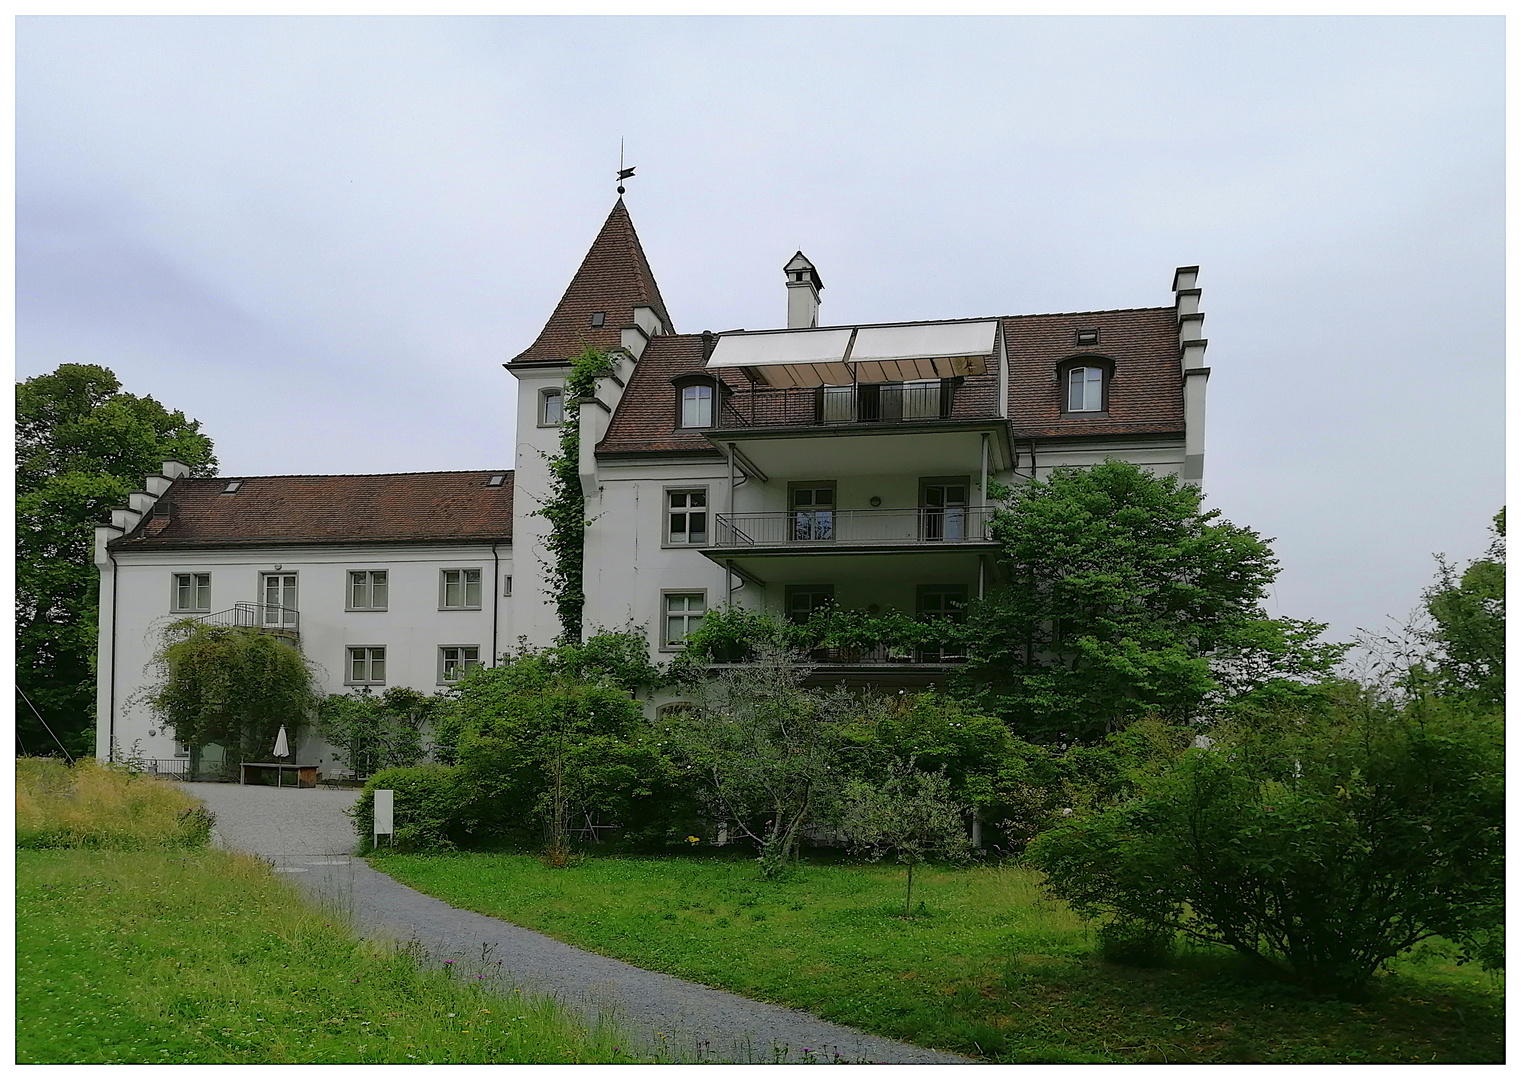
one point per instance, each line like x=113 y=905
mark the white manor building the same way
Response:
x=774 y=469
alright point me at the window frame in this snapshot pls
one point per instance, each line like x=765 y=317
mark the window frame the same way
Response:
x=1103 y=365
x=666 y=511
x=665 y=615
x=443 y=588
x=195 y=587
x=369 y=662
x=348 y=590
x=947 y=588
x=793 y=590
x=465 y=663
x=545 y=393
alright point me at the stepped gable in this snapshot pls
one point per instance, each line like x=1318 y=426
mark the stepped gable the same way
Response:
x=1145 y=395
x=614 y=278
x=424 y=508
x=645 y=420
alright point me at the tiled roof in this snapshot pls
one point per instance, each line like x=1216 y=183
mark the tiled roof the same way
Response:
x=614 y=278
x=1145 y=394
x=426 y=508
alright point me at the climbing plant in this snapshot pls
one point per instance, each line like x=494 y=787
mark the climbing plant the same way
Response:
x=565 y=506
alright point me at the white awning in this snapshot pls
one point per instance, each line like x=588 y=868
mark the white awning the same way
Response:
x=840 y=356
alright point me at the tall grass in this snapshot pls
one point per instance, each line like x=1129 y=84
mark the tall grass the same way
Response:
x=89 y=805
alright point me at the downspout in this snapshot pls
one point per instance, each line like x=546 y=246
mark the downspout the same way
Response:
x=496 y=597
x=111 y=721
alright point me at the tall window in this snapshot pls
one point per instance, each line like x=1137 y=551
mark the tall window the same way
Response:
x=367 y=664
x=459 y=589
x=279 y=599
x=696 y=406
x=455 y=660
x=551 y=407
x=1085 y=389
x=812 y=511
x=192 y=592
x=687 y=517
x=936 y=603
x=368 y=590
x=683 y=614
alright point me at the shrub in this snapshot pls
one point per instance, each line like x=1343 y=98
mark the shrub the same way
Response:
x=1136 y=943
x=375 y=732
x=427 y=812
x=90 y=805
x=1323 y=845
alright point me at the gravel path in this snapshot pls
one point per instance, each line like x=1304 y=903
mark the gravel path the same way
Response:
x=305 y=833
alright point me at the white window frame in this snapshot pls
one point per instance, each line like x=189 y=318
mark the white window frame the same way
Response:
x=181 y=748
x=369 y=586
x=464 y=663
x=667 y=536
x=543 y=415
x=464 y=584
x=686 y=614
x=697 y=391
x=1092 y=386
x=369 y=662
x=195 y=587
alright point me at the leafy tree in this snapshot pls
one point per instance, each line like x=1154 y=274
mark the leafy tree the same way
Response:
x=375 y=732
x=1468 y=625
x=910 y=813
x=1121 y=597
x=82 y=444
x=231 y=686
x=1320 y=844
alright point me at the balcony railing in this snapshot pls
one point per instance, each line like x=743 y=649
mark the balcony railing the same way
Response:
x=839 y=406
x=257 y=616
x=888 y=656
x=817 y=528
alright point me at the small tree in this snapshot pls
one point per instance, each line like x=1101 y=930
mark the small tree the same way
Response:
x=1467 y=632
x=377 y=732
x=232 y=686
x=911 y=814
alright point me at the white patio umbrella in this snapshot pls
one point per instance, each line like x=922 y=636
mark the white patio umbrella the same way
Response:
x=282 y=745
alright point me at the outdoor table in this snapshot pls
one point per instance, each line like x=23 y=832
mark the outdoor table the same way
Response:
x=306 y=775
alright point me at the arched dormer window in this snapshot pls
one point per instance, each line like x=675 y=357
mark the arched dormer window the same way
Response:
x=697 y=398
x=1084 y=385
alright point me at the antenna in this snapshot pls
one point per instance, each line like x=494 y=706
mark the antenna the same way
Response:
x=623 y=174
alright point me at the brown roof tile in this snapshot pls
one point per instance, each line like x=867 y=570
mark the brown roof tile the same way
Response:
x=425 y=508
x=645 y=419
x=614 y=278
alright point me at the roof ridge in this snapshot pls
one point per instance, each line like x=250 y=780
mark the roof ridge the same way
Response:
x=1097 y=311
x=349 y=476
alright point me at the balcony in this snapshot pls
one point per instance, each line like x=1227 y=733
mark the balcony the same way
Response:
x=924 y=401
x=253 y=615
x=829 y=530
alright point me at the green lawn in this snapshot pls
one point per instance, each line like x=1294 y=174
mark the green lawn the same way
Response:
x=992 y=968
x=202 y=956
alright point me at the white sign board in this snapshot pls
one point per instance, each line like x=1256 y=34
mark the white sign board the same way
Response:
x=385 y=813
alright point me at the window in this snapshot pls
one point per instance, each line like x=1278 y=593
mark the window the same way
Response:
x=455 y=660
x=683 y=614
x=459 y=590
x=1087 y=337
x=696 y=406
x=812 y=511
x=1085 y=389
x=551 y=407
x=686 y=517
x=942 y=602
x=598 y=318
x=192 y=592
x=279 y=593
x=920 y=399
x=367 y=664
x=368 y=590
x=804 y=600
x=181 y=748
x=943 y=507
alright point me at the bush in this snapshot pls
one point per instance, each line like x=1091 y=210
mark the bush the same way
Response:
x=428 y=814
x=89 y=805
x=1323 y=845
x=1134 y=943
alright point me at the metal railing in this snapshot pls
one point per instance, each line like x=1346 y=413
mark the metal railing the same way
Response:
x=865 y=403
x=257 y=616
x=888 y=655
x=807 y=528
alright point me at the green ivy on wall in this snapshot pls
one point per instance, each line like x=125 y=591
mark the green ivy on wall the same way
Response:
x=565 y=505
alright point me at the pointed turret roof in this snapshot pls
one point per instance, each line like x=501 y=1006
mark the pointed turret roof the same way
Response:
x=614 y=279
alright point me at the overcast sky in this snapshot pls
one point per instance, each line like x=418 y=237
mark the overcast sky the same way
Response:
x=322 y=237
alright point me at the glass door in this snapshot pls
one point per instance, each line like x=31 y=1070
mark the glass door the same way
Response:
x=943 y=510
x=812 y=512
x=279 y=600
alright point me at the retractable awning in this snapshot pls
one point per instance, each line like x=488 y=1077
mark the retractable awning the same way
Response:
x=840 y=356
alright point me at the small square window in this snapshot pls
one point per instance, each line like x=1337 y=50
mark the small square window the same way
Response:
x=367 y=665
x=551 y=407
x=192 y=592
x=683 y=614
x=686 y=516
x=598 y=318
x=1087 y=337
x=455 y=661
x=368 y=590
x=459 y=590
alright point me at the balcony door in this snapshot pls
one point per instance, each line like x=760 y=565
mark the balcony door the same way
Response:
x=812 y=511
x=943 y=507
x=279 y=599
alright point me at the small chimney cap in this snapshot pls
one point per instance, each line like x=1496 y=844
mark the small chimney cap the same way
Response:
x=799 y=264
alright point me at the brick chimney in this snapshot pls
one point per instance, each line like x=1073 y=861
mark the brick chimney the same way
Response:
x=803 y=287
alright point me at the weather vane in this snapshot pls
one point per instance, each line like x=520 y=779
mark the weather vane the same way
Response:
x=623 y=174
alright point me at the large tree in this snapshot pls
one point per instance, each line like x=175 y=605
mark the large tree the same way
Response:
x=1123 y=597
x=1467 y=635
x=81 y=445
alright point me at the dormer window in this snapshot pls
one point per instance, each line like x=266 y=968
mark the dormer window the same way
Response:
x=696 y=406
x=598 y=318
x=1085 y=389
